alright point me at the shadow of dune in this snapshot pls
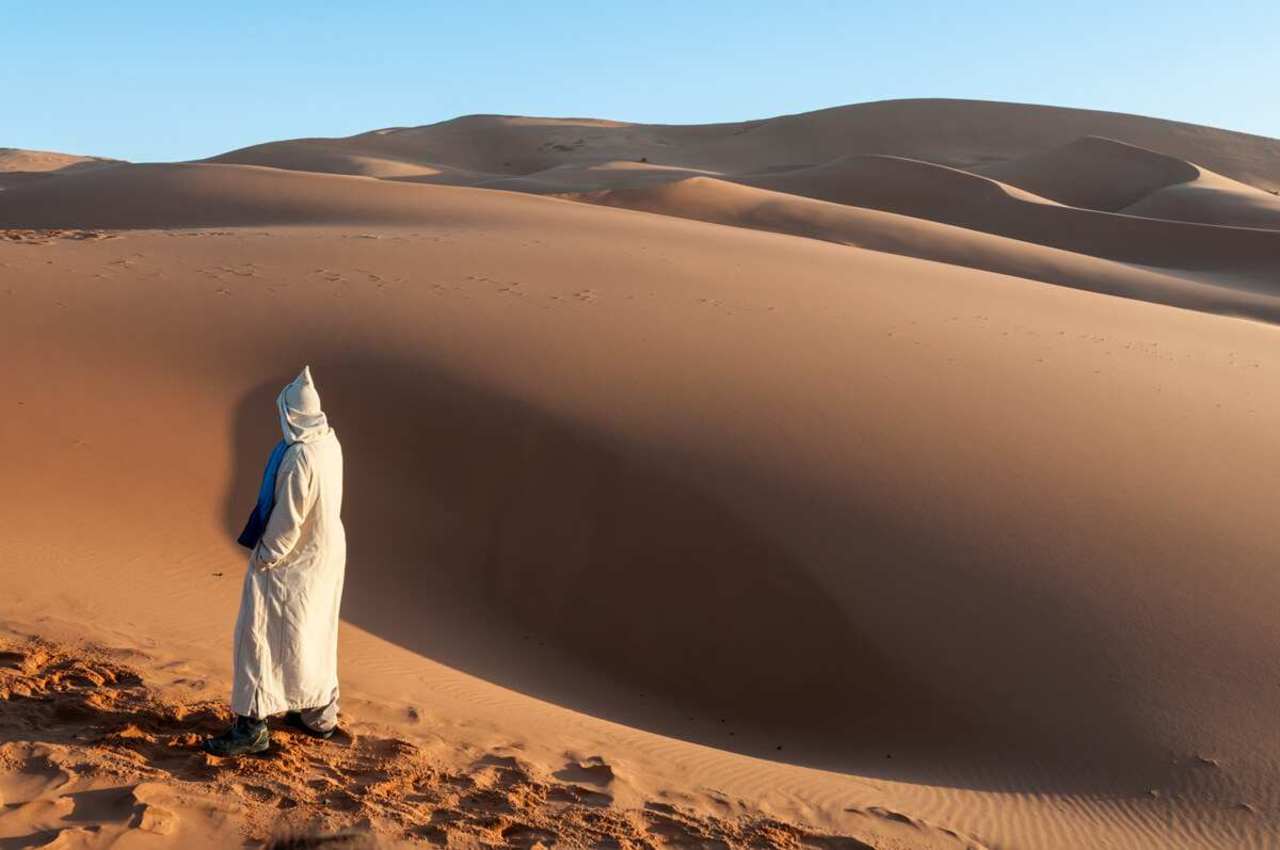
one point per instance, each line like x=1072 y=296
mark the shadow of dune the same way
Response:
x=478 y=525
x=590 y=571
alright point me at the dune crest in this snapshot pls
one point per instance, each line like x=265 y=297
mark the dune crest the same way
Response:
x=984 y=173
x=17 y=159
x=737 y=205
x=1211 y=199
x=18 y=166
x=976 y=133
x=202 y=194
x=1104 y=174
x=1093 y=172
x=950 y=196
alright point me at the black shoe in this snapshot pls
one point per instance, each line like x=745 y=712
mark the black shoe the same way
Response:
x=245 y=737
x=294 y=719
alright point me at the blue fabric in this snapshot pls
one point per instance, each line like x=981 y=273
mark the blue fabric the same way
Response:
x=257 y=524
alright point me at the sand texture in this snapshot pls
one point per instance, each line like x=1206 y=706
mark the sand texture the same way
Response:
x=893 y=476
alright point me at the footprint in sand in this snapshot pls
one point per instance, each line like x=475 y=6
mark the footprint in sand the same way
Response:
x=30 y=771
x=591 y=771
x=498 y=800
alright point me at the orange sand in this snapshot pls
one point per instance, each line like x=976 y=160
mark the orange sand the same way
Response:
x=832 y=495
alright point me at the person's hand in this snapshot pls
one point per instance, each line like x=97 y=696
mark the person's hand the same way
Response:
x=259 y=564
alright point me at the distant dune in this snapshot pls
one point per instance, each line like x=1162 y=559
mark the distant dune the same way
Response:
x=938 y=193
x=1091 y=196
x=708 y=199
x=19 y=166
x=1103 y=174
x=16 y=159
x=1093 y=172
x=1101 y=161
x=1211 y=199
x=198 y=194
x=898 y=475
x=573 y=177
x=958 y=133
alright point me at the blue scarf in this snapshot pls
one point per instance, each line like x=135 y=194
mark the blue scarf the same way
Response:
x=257 y=524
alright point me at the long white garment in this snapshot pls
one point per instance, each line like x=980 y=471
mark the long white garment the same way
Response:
x=286 y=639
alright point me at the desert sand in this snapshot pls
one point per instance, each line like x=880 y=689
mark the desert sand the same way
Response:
x=19 y=166
x=893 y=476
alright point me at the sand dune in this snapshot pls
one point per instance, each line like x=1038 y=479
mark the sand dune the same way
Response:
x=18 y=166
x=839 y=505
x=216 y=194
x=1102 y=161
x=879 y=155
x=16 y=159
x=639 y=469
x=198 y=194
x=1104 y=174
x=1212 y=199
x=566 y=179
x=718 y=201
x=950 y=196
x=129 y=728
x=323 y=156
x=959 y=133
x=872 y=180
x=1092 y=172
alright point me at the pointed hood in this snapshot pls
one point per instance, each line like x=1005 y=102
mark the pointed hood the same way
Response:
x=301 y=418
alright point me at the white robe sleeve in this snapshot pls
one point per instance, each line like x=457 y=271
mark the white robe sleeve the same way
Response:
x=295 y=494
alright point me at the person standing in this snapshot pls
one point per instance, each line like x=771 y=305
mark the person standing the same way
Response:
x=286 y=635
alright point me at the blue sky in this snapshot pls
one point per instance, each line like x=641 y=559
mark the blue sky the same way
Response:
x=175 y=80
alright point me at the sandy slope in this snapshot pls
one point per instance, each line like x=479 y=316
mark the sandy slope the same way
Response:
x=639 y=469
x=951 y=132
x=950 y=196
x=564 y=179
x=807 y=543
x=186 y=195
x=1212 y=199
x=708 y=199
x=899 y=156
x=1093 y=172
x=1104 y=174
x=17 y=159
x=128 y=728
x=18 y=166
x=1236 y=264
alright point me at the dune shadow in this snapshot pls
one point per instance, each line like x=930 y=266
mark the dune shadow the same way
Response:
x=587 y=571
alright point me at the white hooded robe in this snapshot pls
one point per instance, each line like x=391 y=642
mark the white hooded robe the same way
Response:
x=286 y=638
